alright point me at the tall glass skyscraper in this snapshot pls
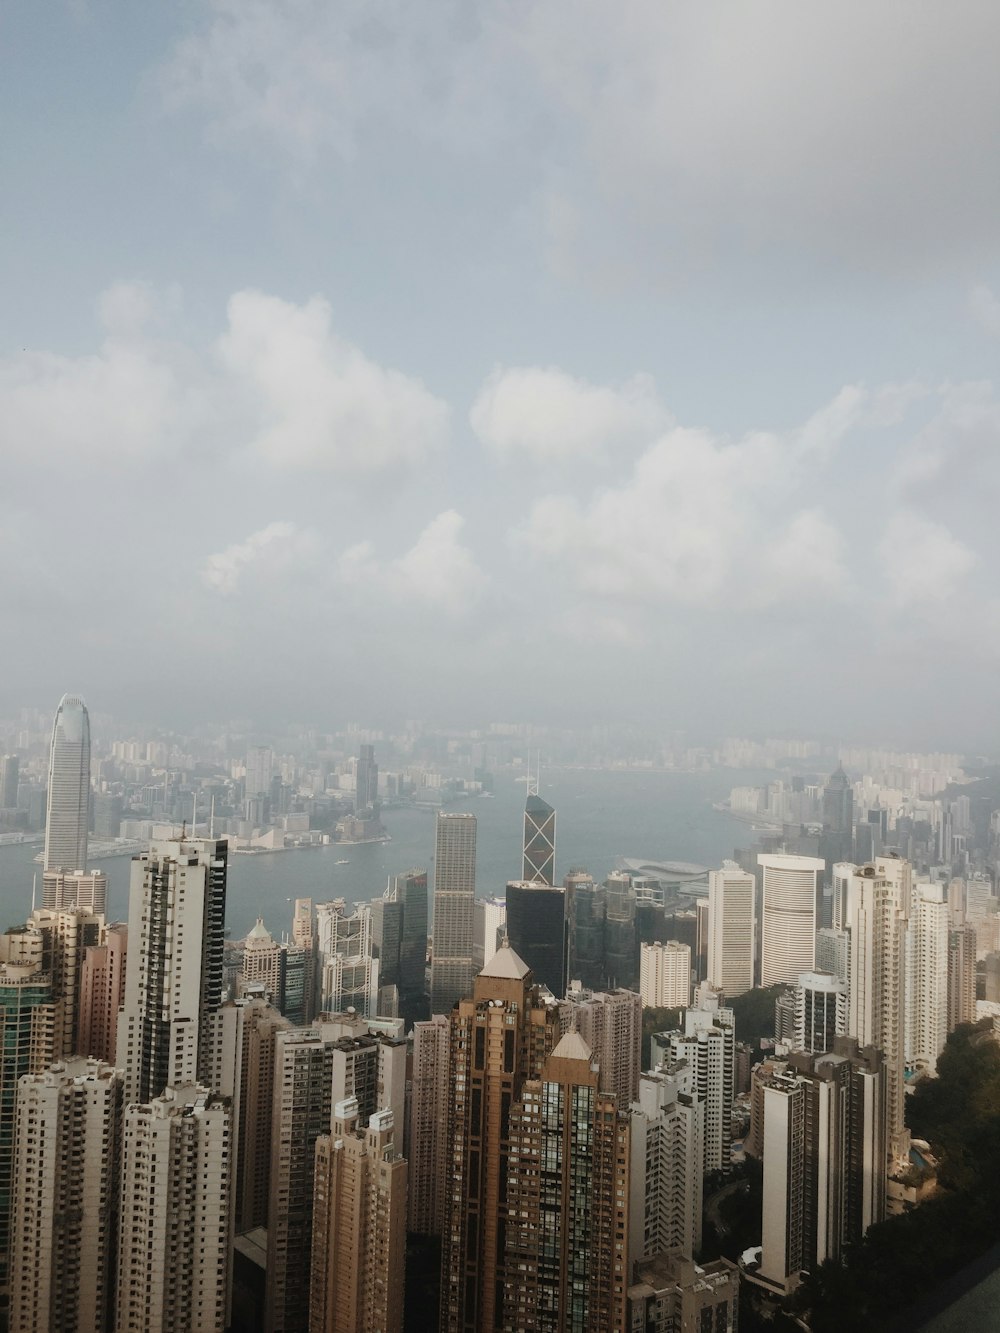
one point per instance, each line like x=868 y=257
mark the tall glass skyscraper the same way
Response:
x=539 y=840
x=68 y=812
x=454 y=892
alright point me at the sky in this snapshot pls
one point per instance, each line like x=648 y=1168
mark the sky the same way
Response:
x=504 y=359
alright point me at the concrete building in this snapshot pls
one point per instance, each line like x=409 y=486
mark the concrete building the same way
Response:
x=489 y=925
x=500 y=1038
x=27 y=1025
x=102 y=993
x=926 y=976
x=732 y=929
x=538 y=930
x=824 y=1154
x=820 y=1011
x=359 y=1226
x=961 y=975
x=610 y=1022
x=65 y=938
x=173 y=985
x=304 y=938
x=454 y=894
x=67 y=817
x=85 y=889
x=65 y=1199
x=791 y=889
x=668 y=1149
x=175 y=1220
x=427 y=1141
x=701 y=1056
x=349 y=969
x=672 y=1294
x=877 y=913
x=566 y=1259
x=261 y=964
x=665 y=975
x=8 y=782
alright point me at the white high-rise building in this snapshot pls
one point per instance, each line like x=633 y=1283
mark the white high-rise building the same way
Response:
x=173 y=983
x=86 y=889
x=175 y=1224
x=732 y=929
x=67 y=1141
x=665 y=975
x=667 y=1147
x=927 y=943
x=489 y=917
x=703 y=1059
x=788 y=927
x=349 y=972
x=67 y=815
x=820 y=1011
x=877 y=911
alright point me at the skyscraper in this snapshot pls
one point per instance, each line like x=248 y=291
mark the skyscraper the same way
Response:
x=366 y=801
x=539 y=840
x=500 y=1037
x=610 y=1022
x=67 y=815
x=788 y=934
x=732 y=929
x=304 y=938
x=668 y=1153
x=538 y=930
x=820 y=1011
x=926 y=977
x=428 y=1137
x=566 y=1258
x=175 y=1227
x=454 y=893
x=359 y=1225
x=67 y=1141
x=8 y=782
x=665 y=975
x=837 y=843
x=84 y=889
x=173 y=984
x=702 y=1056
x=102 y=993
x=588 y=904
x=621 y=935
x=489 y=917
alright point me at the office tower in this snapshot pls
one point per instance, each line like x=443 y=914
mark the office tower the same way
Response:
x=824 y=1158
x=350 y=972
x=702 y=1056
x=500 y=1037
x=820 y=1011
x=65 y=938
x=671 y=1292
x=303 y=1101
x=587 y=903
x=261 y=964
x=538 y=861
x=833 y=952
x=926 y=977
x=621 y=936
x=27 y=1025
x=102 y=993
x=64 y=1223
x=67 y=815
x=566 y=1260
x=366 y=783
x=427 y=1141
x=489 y=926
x=304 y=938
x=260 y=767
x=359 y=1226
x=8 y=782
x=387 y=933
x=107 y=812
x=732 y=929
x=610 y=1022
x=665 y=975
x=668 y=1149
x=537 y=930
x=878 y=904
x=175 y=1227
x=702 y=925
x=454 y=892
x=411 y=891
x=961 y=976
x=295 y=969
x=173 y=984
x=63 y=889
x=837 y=842
x=788 y=927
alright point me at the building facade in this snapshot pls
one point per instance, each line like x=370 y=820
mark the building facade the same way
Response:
x=788 y=926
x=67 y=816
x=454 y=894
x=732 y=929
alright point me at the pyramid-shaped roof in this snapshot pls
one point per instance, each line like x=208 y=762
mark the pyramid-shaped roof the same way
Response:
x=507 y=965
x=572 y=1047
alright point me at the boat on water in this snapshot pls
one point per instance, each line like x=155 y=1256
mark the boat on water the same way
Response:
x=344 y=862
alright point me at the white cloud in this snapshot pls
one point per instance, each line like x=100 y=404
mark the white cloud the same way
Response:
x=985 y=310
x=549 y=416
x=438 y=571
x=922 y=561
x=321 y=402
x=275 y=549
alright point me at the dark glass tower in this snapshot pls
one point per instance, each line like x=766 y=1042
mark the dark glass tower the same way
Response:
x=621 y=935
x=539 y=840
x=366 y=797
x=838 y=819
x=537 y=929
x=587 y=905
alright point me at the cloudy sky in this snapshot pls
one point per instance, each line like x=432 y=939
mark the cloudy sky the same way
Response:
x=543 y=359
